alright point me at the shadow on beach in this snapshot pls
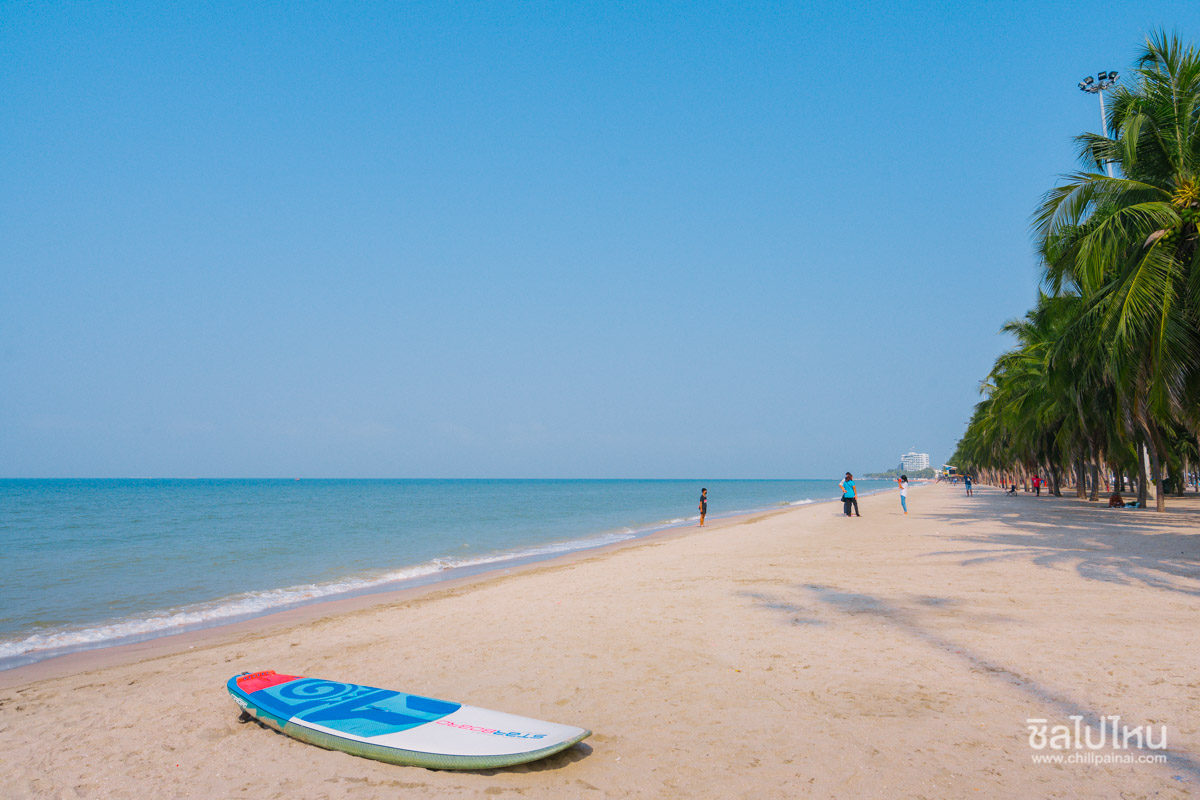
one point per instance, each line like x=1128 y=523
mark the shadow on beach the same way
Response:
x=1120 y=546
x=1125 y=546
x=823 y=605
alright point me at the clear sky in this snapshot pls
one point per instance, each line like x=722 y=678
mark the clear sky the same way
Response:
x=495 y=239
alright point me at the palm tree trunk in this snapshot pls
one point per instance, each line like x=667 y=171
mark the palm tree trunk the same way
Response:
x=1154 y=443
x=1094 y=467
x=1142 y=495
x=1080 y=480
x=1160 y=497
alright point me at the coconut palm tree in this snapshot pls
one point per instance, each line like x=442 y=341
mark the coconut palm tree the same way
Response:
x=1127 y=248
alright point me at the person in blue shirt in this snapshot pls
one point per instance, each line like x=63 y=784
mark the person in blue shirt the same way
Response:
x=967 y=483
x=849 y=495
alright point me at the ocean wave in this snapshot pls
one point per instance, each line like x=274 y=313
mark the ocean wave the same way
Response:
x=30 y=646
x=253 y=604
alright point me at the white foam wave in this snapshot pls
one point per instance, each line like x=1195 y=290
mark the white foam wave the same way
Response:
x=251 y=604
x=799 y=502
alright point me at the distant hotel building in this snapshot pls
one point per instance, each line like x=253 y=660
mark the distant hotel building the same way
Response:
x=915 y=461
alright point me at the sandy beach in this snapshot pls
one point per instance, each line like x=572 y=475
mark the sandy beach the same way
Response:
x=793 y=654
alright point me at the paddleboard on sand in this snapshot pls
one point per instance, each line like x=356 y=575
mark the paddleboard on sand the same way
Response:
x=395 y=727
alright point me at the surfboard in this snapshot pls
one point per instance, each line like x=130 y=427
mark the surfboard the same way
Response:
x=396 y=727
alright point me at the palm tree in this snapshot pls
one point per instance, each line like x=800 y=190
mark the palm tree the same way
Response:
x=1032 y=416
x=1126 y=248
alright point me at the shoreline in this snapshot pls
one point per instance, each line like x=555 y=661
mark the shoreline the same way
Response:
x=504 y=563
x=92 y=658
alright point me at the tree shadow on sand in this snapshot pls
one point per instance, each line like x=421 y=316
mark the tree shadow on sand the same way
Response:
x=1123 y=546
x=908 y=619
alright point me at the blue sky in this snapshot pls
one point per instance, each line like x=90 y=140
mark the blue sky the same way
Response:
x=525 y=240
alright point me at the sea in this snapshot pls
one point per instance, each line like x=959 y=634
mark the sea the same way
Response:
x=97 y=563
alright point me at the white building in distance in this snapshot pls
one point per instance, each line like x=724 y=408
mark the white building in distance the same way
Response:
x=915 y=461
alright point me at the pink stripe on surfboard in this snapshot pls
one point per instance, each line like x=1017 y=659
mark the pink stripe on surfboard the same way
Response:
x=262 y=680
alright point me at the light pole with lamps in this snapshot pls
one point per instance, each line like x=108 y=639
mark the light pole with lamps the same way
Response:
x=1097 y=86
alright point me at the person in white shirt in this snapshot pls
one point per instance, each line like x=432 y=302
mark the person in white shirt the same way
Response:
x=903 y=481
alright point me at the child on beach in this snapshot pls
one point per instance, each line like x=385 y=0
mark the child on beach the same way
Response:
x=703 y=505
x=903 y=481
x=967 y=483
x=849 y=495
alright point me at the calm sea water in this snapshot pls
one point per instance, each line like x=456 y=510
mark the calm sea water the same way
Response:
x=92 y=563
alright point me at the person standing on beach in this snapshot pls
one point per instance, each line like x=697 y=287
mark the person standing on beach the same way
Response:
x=1037 y=485
x=903 y=481
x=967 y=483
x=849 y=495
x=703 y=505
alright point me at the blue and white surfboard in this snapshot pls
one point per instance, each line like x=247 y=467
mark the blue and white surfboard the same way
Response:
x=395 y=727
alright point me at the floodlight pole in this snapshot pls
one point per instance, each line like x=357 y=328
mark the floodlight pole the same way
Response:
x=1097 y=86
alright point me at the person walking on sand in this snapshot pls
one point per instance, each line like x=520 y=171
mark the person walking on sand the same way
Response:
x=1037 y=485
x=903 y=481
x=703 y=505
x=849 y=495
x=967 y=483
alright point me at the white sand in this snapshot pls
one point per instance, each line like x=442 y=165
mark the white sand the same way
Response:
x=800 y=654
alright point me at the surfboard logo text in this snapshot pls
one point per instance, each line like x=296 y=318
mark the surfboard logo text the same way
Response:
x=494 y=731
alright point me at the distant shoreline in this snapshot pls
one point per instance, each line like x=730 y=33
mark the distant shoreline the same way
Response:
x=80 y=660
x=429 y=580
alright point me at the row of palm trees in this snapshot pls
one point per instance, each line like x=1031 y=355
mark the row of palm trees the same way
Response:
x=1105 y=376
